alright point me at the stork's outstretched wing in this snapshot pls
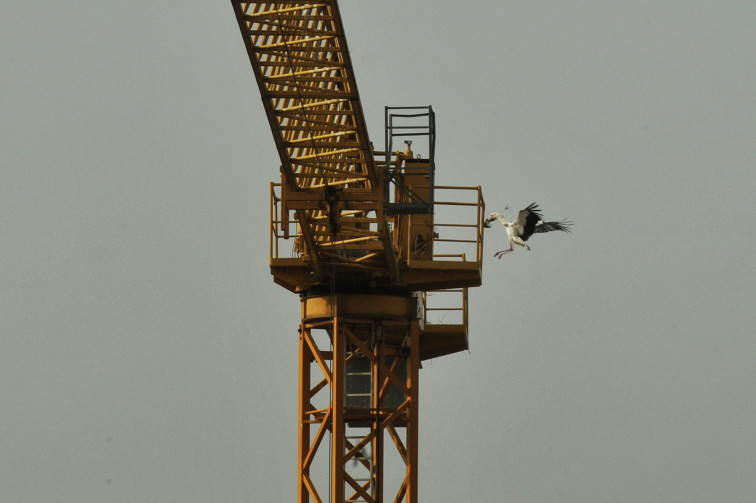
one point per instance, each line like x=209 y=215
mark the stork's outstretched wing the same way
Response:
x=564 y=226
x=530 y=214
x=527 y=220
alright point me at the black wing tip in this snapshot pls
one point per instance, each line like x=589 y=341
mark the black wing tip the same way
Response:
x=565 y=226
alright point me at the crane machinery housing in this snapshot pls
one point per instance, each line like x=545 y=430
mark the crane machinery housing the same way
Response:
x=380 y=256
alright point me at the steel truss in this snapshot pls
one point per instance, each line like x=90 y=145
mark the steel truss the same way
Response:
x=329 y=352
x=301 y=62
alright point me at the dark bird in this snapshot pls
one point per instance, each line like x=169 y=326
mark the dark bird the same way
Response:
x=529 y=221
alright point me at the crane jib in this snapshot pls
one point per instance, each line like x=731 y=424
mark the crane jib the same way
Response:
x=304 y=73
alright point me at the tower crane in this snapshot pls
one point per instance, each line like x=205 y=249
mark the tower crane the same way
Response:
x=380 y=256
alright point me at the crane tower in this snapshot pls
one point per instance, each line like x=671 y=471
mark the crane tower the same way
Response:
x=380 y=256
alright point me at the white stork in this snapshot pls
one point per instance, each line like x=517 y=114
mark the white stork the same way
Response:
x=529 y=221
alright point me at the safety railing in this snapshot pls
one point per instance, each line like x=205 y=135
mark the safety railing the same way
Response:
x=445 y=307
x=282 y=228
x=458 y=223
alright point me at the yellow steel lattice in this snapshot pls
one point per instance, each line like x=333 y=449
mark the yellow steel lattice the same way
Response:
x=301 y=63
x=300 y=58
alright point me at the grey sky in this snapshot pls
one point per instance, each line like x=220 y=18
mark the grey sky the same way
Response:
x=146 y=355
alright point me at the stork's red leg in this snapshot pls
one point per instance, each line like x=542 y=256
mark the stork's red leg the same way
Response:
x=499 y=254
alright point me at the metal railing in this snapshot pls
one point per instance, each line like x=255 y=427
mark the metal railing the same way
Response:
x=408 y=124
x=278 y=230
x=445 y=307
x=458 y=223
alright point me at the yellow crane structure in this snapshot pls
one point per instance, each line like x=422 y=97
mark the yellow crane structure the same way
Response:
x=380 y=256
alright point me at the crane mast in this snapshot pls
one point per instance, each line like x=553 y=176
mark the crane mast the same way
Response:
x=368 y=254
